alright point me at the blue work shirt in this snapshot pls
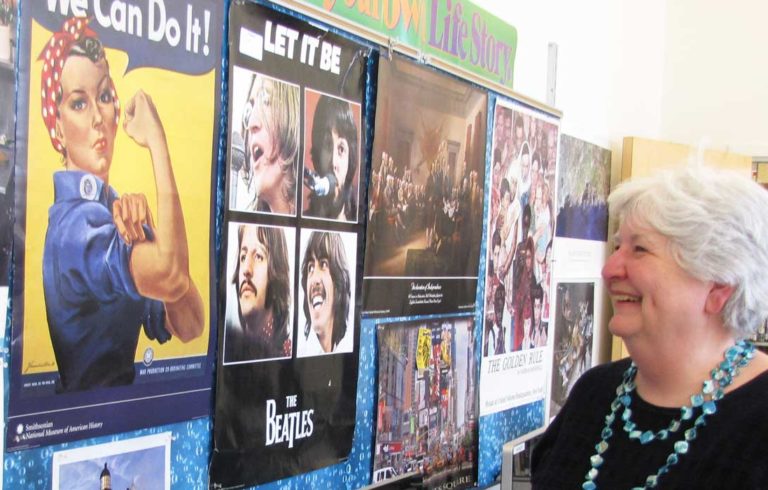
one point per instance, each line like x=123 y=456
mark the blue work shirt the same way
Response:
x=94 y=310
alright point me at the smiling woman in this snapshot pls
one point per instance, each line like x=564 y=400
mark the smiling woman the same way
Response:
x=687 y=283
x=108 y=270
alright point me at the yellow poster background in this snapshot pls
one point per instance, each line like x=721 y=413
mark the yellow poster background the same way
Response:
x=185 y=105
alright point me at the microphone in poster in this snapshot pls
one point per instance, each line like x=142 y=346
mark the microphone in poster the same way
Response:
x=320 y=186
x=238 y=152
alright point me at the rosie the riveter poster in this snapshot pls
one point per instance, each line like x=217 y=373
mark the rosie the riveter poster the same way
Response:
x=117 y=144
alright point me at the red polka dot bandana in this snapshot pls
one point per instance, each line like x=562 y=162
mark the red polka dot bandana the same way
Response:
x=53 y=57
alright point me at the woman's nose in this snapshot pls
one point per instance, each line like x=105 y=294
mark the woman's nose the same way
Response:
x=614 y=266
x=98 y=116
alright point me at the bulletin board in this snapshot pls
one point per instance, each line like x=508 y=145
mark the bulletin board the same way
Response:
x=467 y=49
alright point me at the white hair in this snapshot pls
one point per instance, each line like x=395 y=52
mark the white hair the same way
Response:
x=717 y=225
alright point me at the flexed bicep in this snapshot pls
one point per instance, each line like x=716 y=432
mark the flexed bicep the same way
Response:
x=160 y=267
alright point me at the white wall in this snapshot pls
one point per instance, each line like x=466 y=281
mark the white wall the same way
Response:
x=716 y=76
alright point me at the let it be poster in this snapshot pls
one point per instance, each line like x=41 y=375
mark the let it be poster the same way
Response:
x=289 y=332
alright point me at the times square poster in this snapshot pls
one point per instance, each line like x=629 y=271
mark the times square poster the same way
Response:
x=426 y=412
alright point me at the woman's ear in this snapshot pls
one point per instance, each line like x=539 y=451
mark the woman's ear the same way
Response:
x=60 y=133
x=718 y=295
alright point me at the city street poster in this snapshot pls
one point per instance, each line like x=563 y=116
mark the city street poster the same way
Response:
x=116 y=150
x=289 y=332
x=426 y=420
x=425 y=193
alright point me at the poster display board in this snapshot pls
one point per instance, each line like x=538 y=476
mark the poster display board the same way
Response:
x=114 y=303
x=426 y=418
x=426 y=192
x=7 y=156
x=3 y=311
x=289 y=333
x=518 y=274
x=116 y=147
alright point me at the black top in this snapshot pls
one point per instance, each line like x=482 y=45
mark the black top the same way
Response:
x=730 y=451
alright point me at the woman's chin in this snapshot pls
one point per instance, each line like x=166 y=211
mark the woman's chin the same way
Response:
x=621 y=327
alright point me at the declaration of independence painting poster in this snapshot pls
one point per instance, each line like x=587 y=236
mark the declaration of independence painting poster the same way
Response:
x=426 y=192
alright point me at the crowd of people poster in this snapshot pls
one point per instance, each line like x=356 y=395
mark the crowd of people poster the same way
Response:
x=425 y=193
x=116 y=147
x=519 y=260
x=426 y=418
x=287 y=371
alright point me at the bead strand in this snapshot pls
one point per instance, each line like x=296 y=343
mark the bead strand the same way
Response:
x=713 y=389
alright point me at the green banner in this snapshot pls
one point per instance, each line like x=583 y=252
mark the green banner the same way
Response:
x=458 y=33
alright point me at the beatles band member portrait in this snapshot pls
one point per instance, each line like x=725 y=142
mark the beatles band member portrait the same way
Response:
x=258 y=323
x=326 y=287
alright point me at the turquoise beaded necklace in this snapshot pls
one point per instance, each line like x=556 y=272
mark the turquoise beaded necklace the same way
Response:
x=736 y=357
